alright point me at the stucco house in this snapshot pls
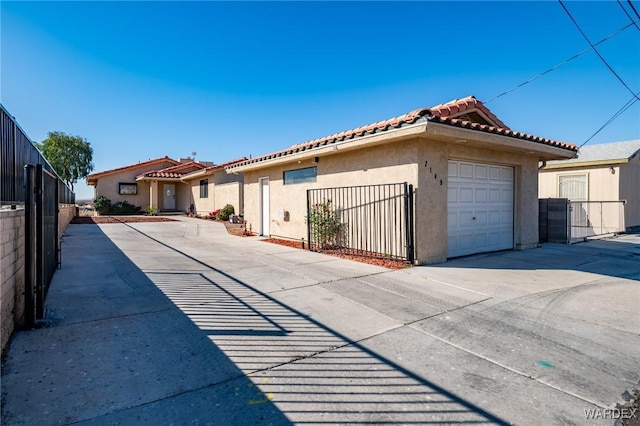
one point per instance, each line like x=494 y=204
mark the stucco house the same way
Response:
x=171 y=186
x=212 y=188
x=608 y=172
x=474 y=180
x=121 y=184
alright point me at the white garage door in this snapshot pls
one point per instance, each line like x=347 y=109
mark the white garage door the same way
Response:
x=479 y=208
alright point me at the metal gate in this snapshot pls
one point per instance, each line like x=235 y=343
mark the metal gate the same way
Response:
x=369 y=220
x=41 y=238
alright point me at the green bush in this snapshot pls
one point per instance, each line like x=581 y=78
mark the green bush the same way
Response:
x=125 y=207
x=102 y=205
x=225 y=212
x=326 y=228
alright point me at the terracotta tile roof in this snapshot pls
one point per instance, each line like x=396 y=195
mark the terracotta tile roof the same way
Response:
x=212 y=168
x=173 y=172
x=502 y=131
x=445 y=113
x=164 y=159
x=460 y=107
x=225 y=164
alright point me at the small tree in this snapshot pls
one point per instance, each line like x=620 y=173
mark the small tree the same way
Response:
x=70 y=156
x=326 y=228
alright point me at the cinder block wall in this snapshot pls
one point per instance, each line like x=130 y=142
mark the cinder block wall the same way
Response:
x=65 y=214
x=12 y=272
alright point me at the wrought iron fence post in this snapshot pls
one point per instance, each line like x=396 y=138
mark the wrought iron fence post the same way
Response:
x=29 y=247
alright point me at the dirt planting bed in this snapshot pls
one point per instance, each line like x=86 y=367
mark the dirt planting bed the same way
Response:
x=386 y=263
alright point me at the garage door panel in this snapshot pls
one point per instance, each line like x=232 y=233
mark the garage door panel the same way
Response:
x=480 y=208
x=465 y=195
x=481 y=195
x=481 y=172
x=480 y=218
x=452 y=195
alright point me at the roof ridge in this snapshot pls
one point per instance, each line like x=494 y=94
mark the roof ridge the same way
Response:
x=142 y=163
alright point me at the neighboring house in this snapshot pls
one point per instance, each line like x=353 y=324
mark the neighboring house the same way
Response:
x=212 y=188
x=475 y=180
x=167 y=191
x=605 y=172
x=169 y=185
x=120 y=184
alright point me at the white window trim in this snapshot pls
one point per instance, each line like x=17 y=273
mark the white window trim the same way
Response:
x=585 y=174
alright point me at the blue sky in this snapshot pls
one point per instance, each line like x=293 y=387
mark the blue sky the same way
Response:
x=141 y=80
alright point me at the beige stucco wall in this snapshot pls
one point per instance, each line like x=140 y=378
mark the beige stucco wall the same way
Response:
x=630 y=190
x=421 y=162
x=380 y=164
x=431 y=195
x=224 y=189
x=108 y=185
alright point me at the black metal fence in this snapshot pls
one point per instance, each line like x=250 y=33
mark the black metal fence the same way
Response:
x=370 y=220
x=41 y=239
x=16 y=151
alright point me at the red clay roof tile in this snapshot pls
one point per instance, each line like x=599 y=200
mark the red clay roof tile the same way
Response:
x=93 y=176
x=445 y=113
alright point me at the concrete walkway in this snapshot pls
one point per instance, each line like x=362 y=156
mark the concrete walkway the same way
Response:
x=180 y=323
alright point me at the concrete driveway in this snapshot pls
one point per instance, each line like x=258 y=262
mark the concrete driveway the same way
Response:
x=180 y=323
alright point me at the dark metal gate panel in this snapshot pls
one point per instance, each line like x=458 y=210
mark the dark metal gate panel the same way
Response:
x=368 y=220
x=41 y=238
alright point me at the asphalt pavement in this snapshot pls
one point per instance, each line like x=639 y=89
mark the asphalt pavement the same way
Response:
x=181 y=323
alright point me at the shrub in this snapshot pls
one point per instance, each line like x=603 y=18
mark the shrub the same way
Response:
x=326 y=229
x=225 y=212
x=125 y=207
x=102 y=204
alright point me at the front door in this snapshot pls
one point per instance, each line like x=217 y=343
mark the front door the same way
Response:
x=264 y=206
x=169 y=191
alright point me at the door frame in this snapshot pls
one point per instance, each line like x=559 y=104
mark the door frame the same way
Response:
x=164 y=196
x=264 y=227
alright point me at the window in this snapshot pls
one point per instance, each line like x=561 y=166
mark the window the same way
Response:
x=300 y=175
x=573 y=187
x=204 y=188
x=127 y=188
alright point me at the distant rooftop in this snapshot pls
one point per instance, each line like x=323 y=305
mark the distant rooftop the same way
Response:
x=605 y=152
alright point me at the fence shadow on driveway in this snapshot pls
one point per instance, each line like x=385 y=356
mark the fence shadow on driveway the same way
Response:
x=311 y=372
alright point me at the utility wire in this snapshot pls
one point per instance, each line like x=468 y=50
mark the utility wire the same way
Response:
x=596 y=50
x=627 y=13
x=634 y=9
x=618 y=113
x=566 y=61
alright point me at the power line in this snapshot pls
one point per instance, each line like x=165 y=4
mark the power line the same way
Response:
x=634 y=9
x=596 y=50
x=566 y=61
x=618 y=113
x=627 y=13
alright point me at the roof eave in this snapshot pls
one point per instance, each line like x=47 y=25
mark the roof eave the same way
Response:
x=405 y=132
x=199 y=173
x=594 y=163
x=480 y=138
